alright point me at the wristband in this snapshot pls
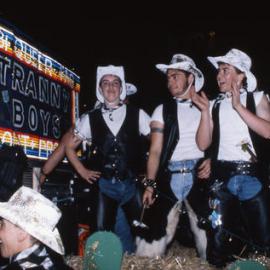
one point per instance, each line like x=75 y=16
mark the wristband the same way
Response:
x=150 y=183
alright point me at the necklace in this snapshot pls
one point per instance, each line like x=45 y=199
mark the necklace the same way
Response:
x=184 y=100
x=110 y=111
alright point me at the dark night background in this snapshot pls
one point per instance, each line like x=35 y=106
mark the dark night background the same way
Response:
x=83 y=38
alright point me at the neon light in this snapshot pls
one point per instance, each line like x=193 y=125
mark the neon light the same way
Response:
x=40 y=96
x=33 y=146
x=34 y=58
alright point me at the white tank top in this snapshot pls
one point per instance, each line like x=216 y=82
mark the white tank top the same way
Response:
x=233 y=130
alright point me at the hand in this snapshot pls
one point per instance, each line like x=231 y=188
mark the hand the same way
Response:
x=204 y=169
x=200 y=100
x=148 y=199
x=90 y=176
x=42 y=178
x=236 y=95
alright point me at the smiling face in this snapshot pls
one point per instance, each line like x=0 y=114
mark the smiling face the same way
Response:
x=228 y=76
x=110 y=87
x=178 y=82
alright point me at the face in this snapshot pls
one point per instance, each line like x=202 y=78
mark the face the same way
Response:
x=227 y=76
x=110 y=86
x=9 y=235
x=178 y=82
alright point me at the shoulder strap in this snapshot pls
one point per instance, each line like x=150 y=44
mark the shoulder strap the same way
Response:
x=212 y=151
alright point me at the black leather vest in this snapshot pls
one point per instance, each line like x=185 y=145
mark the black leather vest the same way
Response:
x=171 y=132
x=115 y=156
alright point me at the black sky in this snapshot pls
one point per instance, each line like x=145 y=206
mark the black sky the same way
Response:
x=84 y=38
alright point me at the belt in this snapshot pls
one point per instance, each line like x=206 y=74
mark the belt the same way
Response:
x=182 y=170
x=237 y=167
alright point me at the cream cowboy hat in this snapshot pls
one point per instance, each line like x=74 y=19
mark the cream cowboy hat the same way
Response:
x=35 y=214
x=183 y=62
x=131 y=89
x=110 y=70
x=241 y=61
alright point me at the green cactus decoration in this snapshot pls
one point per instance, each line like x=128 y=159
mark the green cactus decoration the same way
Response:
x=247 y=265
x=103 y=251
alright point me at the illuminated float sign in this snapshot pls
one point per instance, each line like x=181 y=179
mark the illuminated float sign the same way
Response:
x=38 y=96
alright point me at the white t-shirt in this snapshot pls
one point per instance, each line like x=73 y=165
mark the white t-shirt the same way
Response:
x=114 y=121
x=233 y=130
x=188 y=121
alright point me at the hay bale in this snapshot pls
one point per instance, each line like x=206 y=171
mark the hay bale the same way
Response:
x=177 y=258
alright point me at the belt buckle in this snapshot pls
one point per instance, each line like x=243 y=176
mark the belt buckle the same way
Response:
x=185 y=170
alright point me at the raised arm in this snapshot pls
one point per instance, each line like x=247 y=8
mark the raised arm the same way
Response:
x=204 y=132
x=259 y=123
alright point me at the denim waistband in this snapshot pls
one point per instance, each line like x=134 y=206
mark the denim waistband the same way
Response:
x=183 y=166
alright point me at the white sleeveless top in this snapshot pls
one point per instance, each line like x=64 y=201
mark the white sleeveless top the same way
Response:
x=233 y=130
x=188 y=121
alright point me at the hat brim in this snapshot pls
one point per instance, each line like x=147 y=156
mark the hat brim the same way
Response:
x=199 y=78
x=49 y=238
x=251 y=79
x=131 y=89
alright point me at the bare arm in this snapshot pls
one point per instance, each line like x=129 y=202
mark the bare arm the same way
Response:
x=204 y=169
x=204 y=132
x=259 y=123
x=71 y=145
x=154 y=158
x=54 y=159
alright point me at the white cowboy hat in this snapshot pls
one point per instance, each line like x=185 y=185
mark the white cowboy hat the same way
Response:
x=183 y=62
x=110 y=70
x=131 y=89
x=241 y=61
x=35 y=214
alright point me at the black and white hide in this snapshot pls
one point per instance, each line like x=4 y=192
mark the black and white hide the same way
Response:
x=163 y=219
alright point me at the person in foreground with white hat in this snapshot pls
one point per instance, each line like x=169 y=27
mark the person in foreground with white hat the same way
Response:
x=27 y=227
x=114 y=132
x=238 y=126
x=174 y=151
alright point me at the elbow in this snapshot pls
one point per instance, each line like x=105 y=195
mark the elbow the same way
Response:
x=266 y=134
x=203 y=147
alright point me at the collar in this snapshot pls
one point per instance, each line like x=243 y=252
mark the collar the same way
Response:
x=36 y=248
x=228 y=95
x=107 y=110
x=184 y=101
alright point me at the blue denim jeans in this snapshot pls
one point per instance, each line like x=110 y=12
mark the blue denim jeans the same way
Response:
x=121 y=191
x=181 y=183
x=244 y=187
x=122 y=230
